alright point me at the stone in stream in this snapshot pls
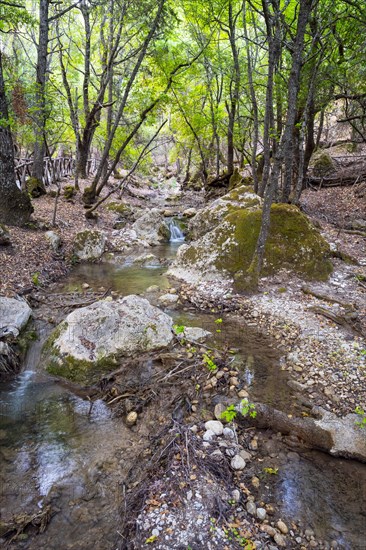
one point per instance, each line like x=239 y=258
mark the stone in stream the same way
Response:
x=196 y=334
x=151 y=227
x=89 y=245
x=93 y=338
x=168 y=299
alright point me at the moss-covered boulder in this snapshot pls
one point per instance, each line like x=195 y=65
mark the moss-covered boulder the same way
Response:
x=89 y=245
x=209 y=217
x=69 y=192
x=227 y=250
x=35 y=187
x=151 y=227
x=92 y=339
x=322 y=164
x=235 y=179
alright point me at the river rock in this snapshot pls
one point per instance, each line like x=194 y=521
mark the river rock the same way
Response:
x=251 y=508
x=4 y=236
x=89 y=245
x=237 y=463
x=14 y=315
x=282 y=527
x=151 y=227
x=261 y=514
x=209 y=436
x=196 y=334
x=215 y=426
x=131 y=419
x=147 y=260
x=94 y=337
x=168 y=299
x=280 y=540
x=54 y=240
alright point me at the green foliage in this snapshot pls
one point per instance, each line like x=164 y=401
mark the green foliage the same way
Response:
x=208 y=360
x=247 y=408
x=229 y=414
x=178 y=329
x=271 y=471
x=35 y=278
x=362 y=414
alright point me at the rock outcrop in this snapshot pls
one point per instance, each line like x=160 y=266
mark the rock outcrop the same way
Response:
x=226 y=234
x=92 y=339
x=14 y=316
x=151 y=227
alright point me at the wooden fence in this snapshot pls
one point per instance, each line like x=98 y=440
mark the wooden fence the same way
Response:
x=53 y=169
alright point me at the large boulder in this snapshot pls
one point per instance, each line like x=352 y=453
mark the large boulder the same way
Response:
x=210 y=216
x=93 y=338
x=151 y=227
x=89 y=245
x=14 y=315
x=227 y=250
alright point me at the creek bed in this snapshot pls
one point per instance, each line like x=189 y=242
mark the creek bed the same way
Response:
x=54 y=449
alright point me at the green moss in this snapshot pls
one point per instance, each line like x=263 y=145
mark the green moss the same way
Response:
x=86 y=237
x=236 y=195
x=323 y=164
x=293 y=243
x=69 y=191
x=80 y=371
x=35 y=187
x=119 y=207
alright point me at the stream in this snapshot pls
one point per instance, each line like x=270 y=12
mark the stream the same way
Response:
x=54 y=451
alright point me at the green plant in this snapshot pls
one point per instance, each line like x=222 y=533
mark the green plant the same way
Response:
x=35 y=278
x=247 y=408
x=229 y=413
x=178 y=329
x=271 y=471
x=362 y=414
x=207 y=359
x=218 y=322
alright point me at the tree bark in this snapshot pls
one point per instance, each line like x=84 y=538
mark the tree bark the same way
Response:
x=15 y=206
x=40 y=96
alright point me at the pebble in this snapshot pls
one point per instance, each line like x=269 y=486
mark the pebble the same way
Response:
x=251 y=508
x=282 y=527
x=229 y=434
x=237 y=463
x=155 y=532
x=219 y=409
x=271 y=531
x=253 y=445
x=131 y=419
x=243 y=394
x=261 y=514
x=85 y=286
x=255 y=482
x=244 y=454
x=214 y=426
x=236 y=495
x=279 y=540
x=208 y=436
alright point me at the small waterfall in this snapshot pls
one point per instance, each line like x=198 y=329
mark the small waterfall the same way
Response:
x=176 y=234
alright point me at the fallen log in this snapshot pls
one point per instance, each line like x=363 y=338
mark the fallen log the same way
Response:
x=340 y=437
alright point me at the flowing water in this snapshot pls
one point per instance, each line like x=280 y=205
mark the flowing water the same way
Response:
x=55 y=449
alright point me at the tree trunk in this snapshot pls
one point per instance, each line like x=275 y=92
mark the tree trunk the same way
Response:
x=40 y=105
x=15 y=206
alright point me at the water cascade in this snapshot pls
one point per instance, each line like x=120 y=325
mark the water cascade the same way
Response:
x=176 y=234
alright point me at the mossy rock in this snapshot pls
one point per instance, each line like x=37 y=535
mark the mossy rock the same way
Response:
x=119 y=208
x=69 y=192
x=35 y=187
x=89 y=244
x=4 y=236
x=293 y=244
x=323 y=164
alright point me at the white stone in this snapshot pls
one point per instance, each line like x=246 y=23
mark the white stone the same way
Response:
x=229 y=433
x=54 y=239
x=261 y=514
x=131 y=418
x=208 y=436
x=14 y=315
x=105 y=329
x=151 y=227
x=215 y=426
x=196 y=334
x=237 y=463
x=251 y=508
